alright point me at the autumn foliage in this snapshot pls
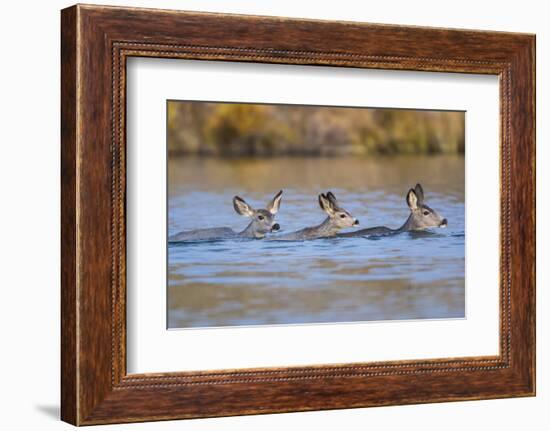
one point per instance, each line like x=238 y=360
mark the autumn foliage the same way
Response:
x=236 y=129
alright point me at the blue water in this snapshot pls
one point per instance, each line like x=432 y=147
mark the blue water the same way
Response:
x=254 y=282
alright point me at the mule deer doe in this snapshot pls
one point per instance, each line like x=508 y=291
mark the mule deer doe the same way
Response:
x=421 y=217
x=263 y=222
x=338 y=218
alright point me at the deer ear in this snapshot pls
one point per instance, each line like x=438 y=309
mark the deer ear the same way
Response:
x=332 y=200
x=322 y=201
x=242 y=207
x=326 y=205
x=419 y=194
x=412 y=200
x=273 y=206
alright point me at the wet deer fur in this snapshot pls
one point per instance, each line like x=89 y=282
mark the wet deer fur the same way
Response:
x=337 y=218
x=421 y=217
x=262 y=222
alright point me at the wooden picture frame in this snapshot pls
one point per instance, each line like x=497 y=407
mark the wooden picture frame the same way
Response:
x=95 y=43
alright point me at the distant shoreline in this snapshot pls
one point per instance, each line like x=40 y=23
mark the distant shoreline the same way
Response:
x=175 y=154
x=236 y=130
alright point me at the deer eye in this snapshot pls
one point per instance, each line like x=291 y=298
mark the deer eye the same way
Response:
x=425 y=212
x=260 y=217
x=342 y=216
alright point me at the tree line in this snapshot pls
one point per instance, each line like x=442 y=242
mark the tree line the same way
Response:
x=242 y=130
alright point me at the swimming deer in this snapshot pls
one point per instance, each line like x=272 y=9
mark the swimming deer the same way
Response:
x=421 y=217
x=263 y=222
x=338 y=218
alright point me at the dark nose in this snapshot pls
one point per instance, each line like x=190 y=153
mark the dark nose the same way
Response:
x=356 y=222
x=275 y=227
x=443 y=223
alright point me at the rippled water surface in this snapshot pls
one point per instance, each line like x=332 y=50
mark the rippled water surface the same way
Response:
x=255 y=282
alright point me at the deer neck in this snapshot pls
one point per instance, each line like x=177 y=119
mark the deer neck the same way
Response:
x=326 y=228
x=249 y=232
x=408 y=225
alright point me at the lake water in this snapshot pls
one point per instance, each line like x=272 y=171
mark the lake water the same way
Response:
x=255 y=282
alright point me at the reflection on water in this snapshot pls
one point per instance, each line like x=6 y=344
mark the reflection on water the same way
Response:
x=255 y=282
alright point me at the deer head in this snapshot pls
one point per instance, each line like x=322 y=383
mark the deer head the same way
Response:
x=422 y=216
x=339 y=217
x=263 y=220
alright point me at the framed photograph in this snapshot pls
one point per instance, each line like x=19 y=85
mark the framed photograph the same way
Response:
x=264 y=215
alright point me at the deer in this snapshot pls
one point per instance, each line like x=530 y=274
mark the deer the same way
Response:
x=337 y=219
x=262 y=222
x=421 y=217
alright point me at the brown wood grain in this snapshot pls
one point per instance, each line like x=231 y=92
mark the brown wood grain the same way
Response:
x=68 y=217
x=96 y=41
